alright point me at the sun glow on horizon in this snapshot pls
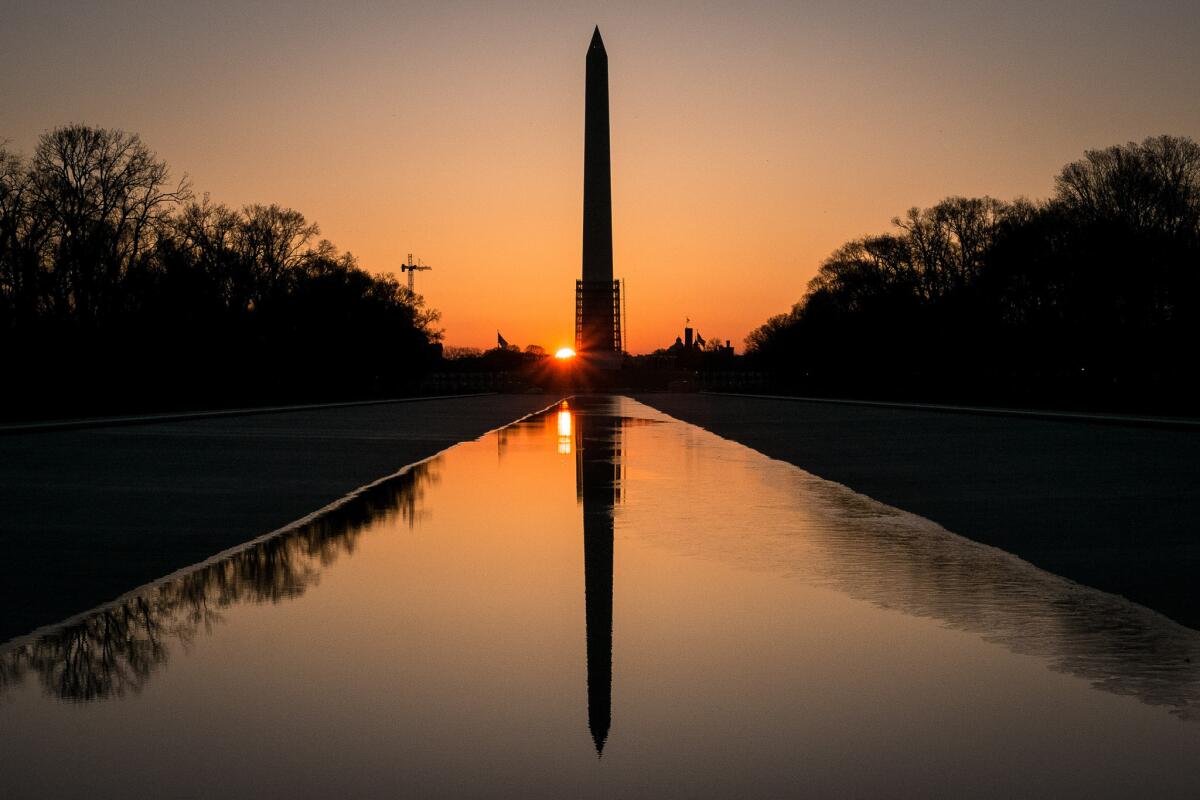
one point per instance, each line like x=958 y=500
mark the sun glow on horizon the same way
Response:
x=779 y=141
x=564 y=353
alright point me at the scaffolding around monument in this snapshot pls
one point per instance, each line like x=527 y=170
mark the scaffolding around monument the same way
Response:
x=607 y=298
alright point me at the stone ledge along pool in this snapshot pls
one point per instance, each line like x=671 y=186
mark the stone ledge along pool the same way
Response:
x=601 y=600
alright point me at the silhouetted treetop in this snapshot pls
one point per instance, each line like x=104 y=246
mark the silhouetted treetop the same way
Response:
x=1152 y=187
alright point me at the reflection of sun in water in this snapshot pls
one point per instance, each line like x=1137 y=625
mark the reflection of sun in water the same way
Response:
x=564 y=429
x=564 y=353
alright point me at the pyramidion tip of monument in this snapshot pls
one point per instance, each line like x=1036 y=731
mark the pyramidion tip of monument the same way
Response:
x=596 y=40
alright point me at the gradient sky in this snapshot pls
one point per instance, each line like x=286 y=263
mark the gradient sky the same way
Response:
x=749 y=139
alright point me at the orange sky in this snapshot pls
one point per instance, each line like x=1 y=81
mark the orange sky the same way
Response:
x=749 y=139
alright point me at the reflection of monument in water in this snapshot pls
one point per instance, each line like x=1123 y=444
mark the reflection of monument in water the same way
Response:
x=598 y=453
x=598 y=304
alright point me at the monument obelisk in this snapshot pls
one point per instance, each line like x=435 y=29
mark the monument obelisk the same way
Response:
x=597 y=295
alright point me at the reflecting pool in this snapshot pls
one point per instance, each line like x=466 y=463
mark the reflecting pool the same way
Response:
x=603 y=601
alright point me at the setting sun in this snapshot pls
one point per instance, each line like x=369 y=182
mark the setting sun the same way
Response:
x=564 y=353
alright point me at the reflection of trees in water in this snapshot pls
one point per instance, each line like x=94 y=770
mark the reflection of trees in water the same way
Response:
x=525 y=428
x=898 y=560
x=116 y=649
x=828 y=535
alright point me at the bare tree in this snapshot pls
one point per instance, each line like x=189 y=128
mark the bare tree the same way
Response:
x=273 y=240
x=105 y=196
x=1154 y=185
x=207 y=235
x=21 y=238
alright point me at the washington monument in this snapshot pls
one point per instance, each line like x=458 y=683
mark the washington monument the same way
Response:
x=597 y=295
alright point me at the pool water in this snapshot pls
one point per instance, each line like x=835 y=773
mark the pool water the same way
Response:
x=597 y=601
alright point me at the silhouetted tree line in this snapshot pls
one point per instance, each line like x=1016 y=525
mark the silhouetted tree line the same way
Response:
x=120 y=290
x=497 y=359
x=1090 y=298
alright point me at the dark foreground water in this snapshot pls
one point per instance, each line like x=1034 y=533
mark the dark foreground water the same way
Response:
x=602 y=601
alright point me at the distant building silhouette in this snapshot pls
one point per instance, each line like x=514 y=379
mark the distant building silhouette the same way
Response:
x=693 y=342
x=598 y=302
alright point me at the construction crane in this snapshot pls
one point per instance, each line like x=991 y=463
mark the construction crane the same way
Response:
x=412 y=269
